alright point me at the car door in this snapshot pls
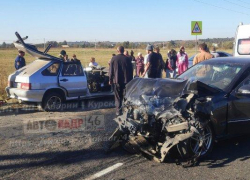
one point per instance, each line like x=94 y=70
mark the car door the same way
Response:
x=73 y=79
x=239 y=110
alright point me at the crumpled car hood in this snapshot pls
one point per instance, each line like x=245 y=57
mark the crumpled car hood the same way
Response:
x=160 y=88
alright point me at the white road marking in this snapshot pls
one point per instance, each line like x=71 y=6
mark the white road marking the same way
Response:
x=104 y=171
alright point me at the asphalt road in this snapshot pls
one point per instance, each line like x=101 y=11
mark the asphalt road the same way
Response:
x=78 y=154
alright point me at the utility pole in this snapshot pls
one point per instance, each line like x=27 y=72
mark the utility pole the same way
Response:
x=95 y=44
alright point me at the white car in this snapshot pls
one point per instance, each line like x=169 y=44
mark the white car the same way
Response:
x=50 y=81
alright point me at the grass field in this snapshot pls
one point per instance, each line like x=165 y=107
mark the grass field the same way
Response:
x=102 y=56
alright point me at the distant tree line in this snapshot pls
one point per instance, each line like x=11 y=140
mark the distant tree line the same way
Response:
x=226 y=43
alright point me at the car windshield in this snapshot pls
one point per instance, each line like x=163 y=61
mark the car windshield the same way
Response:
x=215 y=74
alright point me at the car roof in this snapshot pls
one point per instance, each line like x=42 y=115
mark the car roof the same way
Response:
x=240 y=60
x=224 y=53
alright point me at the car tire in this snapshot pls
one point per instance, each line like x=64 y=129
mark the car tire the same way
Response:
x=52 y=102
x=209 y=134
x=192 y=144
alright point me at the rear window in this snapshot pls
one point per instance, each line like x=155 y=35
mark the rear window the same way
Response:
x=244 y=46
x=33 y=67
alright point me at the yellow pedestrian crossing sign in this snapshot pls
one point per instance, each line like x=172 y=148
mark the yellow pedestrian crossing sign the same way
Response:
x=196 y=27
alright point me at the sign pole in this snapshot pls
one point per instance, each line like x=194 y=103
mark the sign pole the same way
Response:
x=196 y=45
x=196 y=29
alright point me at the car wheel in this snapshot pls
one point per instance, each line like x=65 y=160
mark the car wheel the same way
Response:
x=199 y=144
x=207 y=137
x=52 y=102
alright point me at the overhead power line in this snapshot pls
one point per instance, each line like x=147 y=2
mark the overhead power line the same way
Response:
x=237 y=4
x=244 y=2
x=222 y=7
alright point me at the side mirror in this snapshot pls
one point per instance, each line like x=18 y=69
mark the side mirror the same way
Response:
x=245 y=89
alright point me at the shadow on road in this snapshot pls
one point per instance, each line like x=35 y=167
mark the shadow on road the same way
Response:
x=222 y=155
x=227 y=151
x=50 y=158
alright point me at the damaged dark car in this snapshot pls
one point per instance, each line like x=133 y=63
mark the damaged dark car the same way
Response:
x=183 y=117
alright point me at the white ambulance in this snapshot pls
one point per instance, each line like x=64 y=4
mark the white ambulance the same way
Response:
x=242 y=41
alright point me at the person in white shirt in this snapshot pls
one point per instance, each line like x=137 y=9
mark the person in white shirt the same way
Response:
x=214 y=53
x=92 y=62
x=145 y=62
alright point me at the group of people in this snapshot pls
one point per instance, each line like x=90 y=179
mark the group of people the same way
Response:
x=64 y=56
x=151 y=66
x=176 y=61
x=20 y=60
x=121 y=69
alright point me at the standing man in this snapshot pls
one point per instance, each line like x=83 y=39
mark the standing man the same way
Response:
x=145 y=63
x=133 y=61
x=171 y=64
x=120 y=73
x=20 y=61
x=92 y=62
x=139 y=64
x=203 y=55
x=214 y=53
x=162 y=64
x=153 y=64
x=132 y=55
x=127 y=54
x=63 y=56
x=74 y=59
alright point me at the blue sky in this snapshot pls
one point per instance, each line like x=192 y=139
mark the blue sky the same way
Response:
x=110 y=20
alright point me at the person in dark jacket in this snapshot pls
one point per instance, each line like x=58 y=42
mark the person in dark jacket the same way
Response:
x=132 y=55
x=120 y=73
x=20 y=61
x=63 y=56
x=153 y=65
x=162 y=64
x=139 y=64
x=170 y=67
x=74 y=59
x=133 y=61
